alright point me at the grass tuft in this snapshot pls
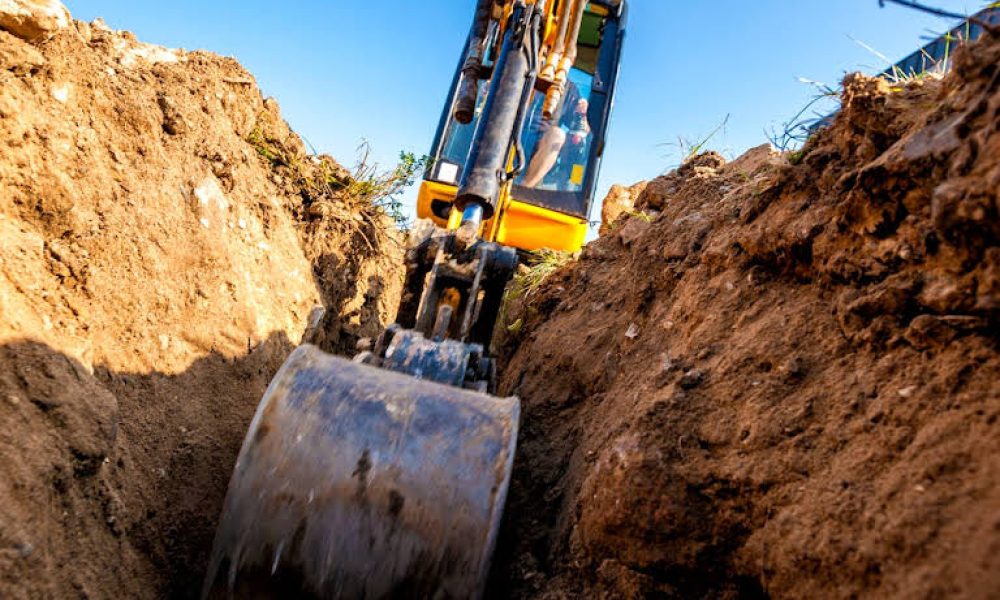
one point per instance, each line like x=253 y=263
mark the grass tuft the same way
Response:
x=323 y=180
x=532 y=273
x=540 y=265
x=690 y=148
x=382 y=187
x=267 y=147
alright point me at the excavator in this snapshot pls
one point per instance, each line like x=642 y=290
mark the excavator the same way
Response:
x=385 y=476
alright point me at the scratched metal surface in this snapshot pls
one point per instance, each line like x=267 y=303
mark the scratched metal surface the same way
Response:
x=356 y=482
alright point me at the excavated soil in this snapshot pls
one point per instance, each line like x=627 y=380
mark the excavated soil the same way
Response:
x=777 y=377
x=164 y=243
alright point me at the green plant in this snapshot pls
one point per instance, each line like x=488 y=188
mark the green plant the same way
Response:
x=641 y=215
x=322 y=179
x=382 y=187
x=538 y=266
x=266 y=146
x=690 y=148
x=898 y=77
x=797 y=130
x=696 y=149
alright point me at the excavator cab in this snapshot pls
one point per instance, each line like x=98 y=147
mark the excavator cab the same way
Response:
x=549 y=202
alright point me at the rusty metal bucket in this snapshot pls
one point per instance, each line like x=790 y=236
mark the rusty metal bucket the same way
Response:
x=358 y=482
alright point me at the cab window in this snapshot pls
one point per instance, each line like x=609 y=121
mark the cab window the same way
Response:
x=557 y=152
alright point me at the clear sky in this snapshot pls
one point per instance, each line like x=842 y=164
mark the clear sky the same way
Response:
x=380 y=69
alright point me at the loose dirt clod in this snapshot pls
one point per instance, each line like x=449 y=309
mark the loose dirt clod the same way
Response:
x=809 y=408
x=161 y=251
x=33 y=20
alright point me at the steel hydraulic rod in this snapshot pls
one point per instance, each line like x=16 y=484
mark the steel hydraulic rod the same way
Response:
x=496 y=133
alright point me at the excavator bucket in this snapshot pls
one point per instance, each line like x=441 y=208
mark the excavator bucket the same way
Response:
x=359 y=482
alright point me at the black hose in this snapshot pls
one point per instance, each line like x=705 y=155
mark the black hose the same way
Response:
x=468 y=91
x=487 y=165
x=531 y=53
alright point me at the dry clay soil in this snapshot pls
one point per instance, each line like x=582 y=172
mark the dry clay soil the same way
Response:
x=776 y=377
x=155 y=270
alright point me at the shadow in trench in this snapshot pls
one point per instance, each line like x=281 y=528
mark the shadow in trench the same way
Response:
x=111 y=482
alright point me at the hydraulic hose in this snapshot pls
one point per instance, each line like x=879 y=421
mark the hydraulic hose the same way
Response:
x=498 y=127
x=531 y=53
x=552 y=62
x=468 y=91
x=566 y=60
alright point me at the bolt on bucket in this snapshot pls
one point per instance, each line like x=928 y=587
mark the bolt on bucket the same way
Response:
x=358 y=482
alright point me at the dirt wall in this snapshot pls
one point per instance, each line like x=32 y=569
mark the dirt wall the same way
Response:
x=779 y=377
x=164 y=243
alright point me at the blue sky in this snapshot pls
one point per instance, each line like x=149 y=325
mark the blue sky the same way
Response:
x=380 y=69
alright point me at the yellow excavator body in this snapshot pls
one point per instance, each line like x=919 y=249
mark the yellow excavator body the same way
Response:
x=518 y=224
x=551 y=210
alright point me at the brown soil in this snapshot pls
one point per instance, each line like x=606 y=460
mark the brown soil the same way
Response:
x=782 y=380
x=164 y=240
x=773 y=377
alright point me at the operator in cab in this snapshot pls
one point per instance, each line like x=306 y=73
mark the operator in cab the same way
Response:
x=560 y=145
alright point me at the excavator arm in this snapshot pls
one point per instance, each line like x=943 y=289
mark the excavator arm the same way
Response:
x=386 y=476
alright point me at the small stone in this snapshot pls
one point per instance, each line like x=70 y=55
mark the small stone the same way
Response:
x=61 y=93
x=620 y=200
x=33 y=20
x=208 y=193
x=794 y=368
x=928 y=331
x=692 y=379
x=667 y=368
x=173 y=121
x=908 y=391
x=632 y=231
x=632 y=332
x=24 y=549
